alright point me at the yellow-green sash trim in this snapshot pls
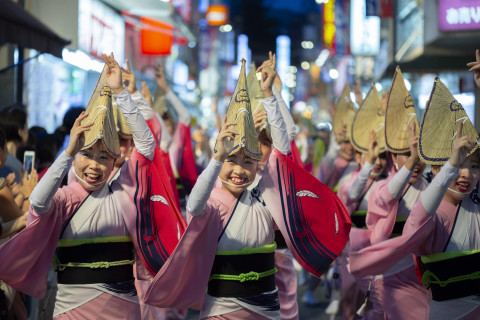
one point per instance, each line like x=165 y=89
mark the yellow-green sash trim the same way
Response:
x=336 y=187
x=78 y=242
x=268 y=248
x=360 y=213
x=429 y=278
x=242 y=277
x=446 y=255
x=401 y=219
x=94 y=265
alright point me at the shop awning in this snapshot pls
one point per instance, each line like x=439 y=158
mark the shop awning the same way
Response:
x=19 y=27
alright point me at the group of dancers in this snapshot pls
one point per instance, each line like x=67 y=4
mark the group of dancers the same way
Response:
x=404 y=245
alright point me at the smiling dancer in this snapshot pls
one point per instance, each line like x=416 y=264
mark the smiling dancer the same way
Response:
x=229 y=244
x=113 y=237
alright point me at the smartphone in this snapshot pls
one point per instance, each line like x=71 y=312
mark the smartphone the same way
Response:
x=28 y=161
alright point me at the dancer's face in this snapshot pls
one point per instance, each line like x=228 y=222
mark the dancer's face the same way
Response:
x=238 y=170
x=94 y=166
x=379 y=166
x=461 y=187
x=401 y=158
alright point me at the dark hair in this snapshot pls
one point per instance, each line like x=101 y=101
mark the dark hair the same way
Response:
x=3 y=139
x=263 y=137
x=13 y=119
x=68 y=120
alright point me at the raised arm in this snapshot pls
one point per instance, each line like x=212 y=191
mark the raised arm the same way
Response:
x=142 y=136
x=275 y=119
x=182 y=112
x=206 y=181
x=42 y=195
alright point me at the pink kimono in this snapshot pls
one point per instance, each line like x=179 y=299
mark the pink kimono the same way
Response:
x=354 y=288
x=137 y=204
x=279 y=192
x=424 y=234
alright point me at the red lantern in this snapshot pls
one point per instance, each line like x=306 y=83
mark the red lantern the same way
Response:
x=156 y=36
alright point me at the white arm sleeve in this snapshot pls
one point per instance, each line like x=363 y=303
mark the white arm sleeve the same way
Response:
x=182 y=112
x=287 y=116
x=277 y=125
x=433 y=195
x=356 y=189
x=332 y=153
x=143 y=105
x=399 y=182
x=203 y=187
x=166 y=138
x=42 y=195
x=142 y=136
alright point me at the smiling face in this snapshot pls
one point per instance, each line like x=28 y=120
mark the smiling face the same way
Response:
x=461 y=187
x=379 y=166
x=93 y=166
x=239 y=172
x=346 y=151
x=401 y=158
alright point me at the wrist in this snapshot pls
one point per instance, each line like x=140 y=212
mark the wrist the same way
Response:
x=267 y=93
x=119 y=90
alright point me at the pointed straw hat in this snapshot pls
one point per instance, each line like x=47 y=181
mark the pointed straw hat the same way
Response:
x=100 y=113
x=160 y=102
x=369 y=116
x=123 y=129
x=240 y=111
x=344 y=112
x=399 y=116
x=440 y=124
x=255 y=95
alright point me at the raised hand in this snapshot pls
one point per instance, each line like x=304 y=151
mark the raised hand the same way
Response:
x=271 y=64
x=475 y=68
x=268 y=76
x=129 y=79
x=160 y=78
x=259 y=118
x=461 y=146
x=383 y=101
x=114 y=73
x=77 y=136
x=341 y=133
x=224 y=144
x=373 y=150
x=28 y=183
x=146 y=93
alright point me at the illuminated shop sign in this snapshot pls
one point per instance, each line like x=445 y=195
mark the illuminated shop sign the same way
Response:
x=458 y=15
x=100 y=29
x=365 y=31
x=329 y=25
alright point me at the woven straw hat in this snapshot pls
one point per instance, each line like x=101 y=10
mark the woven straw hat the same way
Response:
x=440 y=124
x=240 y=111
x=369 y=116
x=344 y=112
x=399 y=116
x=160 y=102
x=123 y=129
x=100 y=112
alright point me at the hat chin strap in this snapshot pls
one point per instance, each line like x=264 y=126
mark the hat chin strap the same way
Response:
x=236 y=185
x=88 y=183
x=458 y=192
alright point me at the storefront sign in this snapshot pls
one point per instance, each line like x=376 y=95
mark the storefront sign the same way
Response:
x=100 y=29
x=329 y=25
x=458 y=15
x=217 y=15
x=364 y=31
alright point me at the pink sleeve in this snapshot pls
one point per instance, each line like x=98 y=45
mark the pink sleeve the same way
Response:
x=330 y=176
x=382 y=212
x=342 y=194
